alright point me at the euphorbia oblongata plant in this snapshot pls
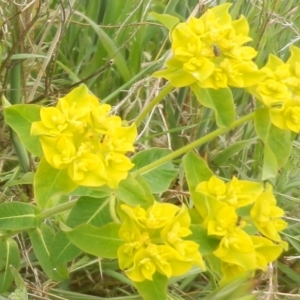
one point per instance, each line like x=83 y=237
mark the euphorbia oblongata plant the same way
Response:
x=93 y=194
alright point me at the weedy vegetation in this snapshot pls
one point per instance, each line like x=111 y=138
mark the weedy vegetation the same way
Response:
x=111 y=199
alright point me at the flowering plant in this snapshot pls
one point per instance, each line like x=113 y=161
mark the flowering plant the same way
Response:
x=104 y=201
x=81 y=136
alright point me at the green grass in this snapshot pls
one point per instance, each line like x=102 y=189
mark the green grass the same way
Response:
x=45 y=53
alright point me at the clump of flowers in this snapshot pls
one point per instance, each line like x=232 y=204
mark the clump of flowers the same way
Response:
x=82 y=136
x=244 y=217
x=280 y=90
x=154 y=241
x=210 y=51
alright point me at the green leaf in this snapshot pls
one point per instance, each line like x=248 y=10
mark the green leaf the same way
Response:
x=27 y=178
x=62 y=250
x=229 y=152
x=19 y=118
x=167 y=20
x=26 y=55
x=277 y=143
x=9 y=256
x=94 y=211
x=41 y=239
x=207 y=244
x=196 y=170
x=102 y=242
x=155 y=289
x=18 y=216
x=49 y=182
x=134 y=191
x=288 y=272
x=220 y=101
x=111 y=48
x=101 y=192
x=160 y=178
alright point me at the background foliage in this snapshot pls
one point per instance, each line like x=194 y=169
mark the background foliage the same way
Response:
x=114 y=46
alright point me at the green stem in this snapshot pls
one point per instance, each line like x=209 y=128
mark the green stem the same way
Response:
x=165 y=91
x=194 y=144
x=58 y=209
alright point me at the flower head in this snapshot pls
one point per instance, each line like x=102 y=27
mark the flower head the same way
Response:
x=155 y=241
x=287 y=117
x=80 y=135
x=210 y=51
x=244 y=217
x=266 y=215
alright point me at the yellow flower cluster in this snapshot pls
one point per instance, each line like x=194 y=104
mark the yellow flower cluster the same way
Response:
x=209 y=51
x=244 y=217
x=280 y=90
x=154 y=240
x=80 y=135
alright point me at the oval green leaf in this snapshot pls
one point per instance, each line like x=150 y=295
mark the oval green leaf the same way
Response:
x=160 y=178
x=220 y=101
x=155 y=289
x=196 y=170
x=277 y=143
x=41 y=239
x=207 y=244
x=62 y=250
x=102 y=242
x=89 y=210
x=167 y=20
x=49 y=182
x=18 y=216
x=135 y=191
x=20 y=117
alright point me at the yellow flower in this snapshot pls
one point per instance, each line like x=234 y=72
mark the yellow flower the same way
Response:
x=293 y=82
x=214 y=187
x=155 y=258
x=87 y=170
x=119 y=139
x=287 y=117
x=173 y=234
x=80 y=135
x=155 y=241
x=273 y=90
x=100 y=119
x=209 y=51
x=242 y=192
x=222 y=218
x=230 y=271
x=241 y=73
x=266 y=215
x=116 y=168
x=237 y=248
x=156 y=216
x=266 y=251
x=53 y=122
x=134 y=240
x=236 y=193
x=59 y=152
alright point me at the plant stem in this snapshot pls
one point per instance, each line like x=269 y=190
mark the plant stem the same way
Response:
x=194 y=144
x=58 y=209
x=165 y=91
